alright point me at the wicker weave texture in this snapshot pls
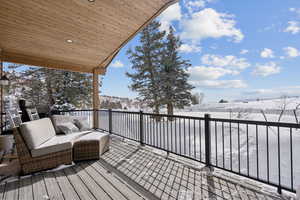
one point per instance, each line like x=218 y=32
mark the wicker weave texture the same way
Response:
x=30 y=164
x=90 y=150
x=86 y=150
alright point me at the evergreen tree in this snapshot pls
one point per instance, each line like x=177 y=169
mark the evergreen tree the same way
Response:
x=175 y=89
x=146 y=61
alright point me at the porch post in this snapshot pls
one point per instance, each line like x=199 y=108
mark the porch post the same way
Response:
x=1 y=91
x=96 y=100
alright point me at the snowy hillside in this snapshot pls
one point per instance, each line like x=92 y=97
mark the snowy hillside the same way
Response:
x=123 y=102
x=291 y=103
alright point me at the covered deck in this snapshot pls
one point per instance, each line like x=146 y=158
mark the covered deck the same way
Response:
x=130 y=171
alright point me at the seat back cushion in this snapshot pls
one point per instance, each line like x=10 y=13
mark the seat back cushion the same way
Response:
x=62 y=119
x=37 y=132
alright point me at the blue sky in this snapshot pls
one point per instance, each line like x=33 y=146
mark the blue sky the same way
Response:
x=238 y=49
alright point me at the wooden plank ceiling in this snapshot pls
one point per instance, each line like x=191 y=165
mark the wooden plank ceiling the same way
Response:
x=74 y=35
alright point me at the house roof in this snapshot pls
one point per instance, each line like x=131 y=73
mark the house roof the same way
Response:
x=74 y=35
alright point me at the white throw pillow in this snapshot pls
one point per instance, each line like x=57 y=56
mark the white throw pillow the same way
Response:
x=68 y=128
x=83 y=125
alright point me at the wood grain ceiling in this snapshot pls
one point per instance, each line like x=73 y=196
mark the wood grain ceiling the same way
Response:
x=35 y=32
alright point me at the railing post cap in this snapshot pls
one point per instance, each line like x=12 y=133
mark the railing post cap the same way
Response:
x=206 y=115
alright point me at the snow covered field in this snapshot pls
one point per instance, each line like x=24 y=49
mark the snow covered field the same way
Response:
x=258 y=151
x=278 y=103
x=232 y=147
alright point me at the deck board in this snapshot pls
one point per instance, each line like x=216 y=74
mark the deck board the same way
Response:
x=11 y=190
x=91 y=184
x=123 y=188
x=66 y=188
x=2 y=190
x=100 y=180
x=25 y=189
x=38 y=187
x=129 y=172
x=81 y=189
x=53 y=188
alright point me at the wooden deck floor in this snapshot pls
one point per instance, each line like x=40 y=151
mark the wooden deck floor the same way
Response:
x=128 y=171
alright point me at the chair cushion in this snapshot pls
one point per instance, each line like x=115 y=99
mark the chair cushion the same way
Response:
x=92 y=136
x=51 y=146
x=57 y=143
x=37 y=132
x=91 y=146
x=60 y=119
x=71 y=137
x=68 y=128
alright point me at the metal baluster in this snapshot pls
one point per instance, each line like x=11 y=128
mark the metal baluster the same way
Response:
x=200 y=139
x=216 y=142
x=184 y=138
x=189 y=137
x=230 y=143
x=279 y=161
x=194 y=139
x=180 y=135
x=257 y=159
x=268 y=159
x=291 y=158
x=247 y=133
x=223 y=145
x=239 y=148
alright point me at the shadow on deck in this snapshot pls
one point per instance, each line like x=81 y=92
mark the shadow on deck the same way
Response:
x=128 y=171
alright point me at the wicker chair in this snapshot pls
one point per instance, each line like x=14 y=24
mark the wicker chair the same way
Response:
x=31 y=164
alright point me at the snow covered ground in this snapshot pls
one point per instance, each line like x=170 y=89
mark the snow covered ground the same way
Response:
x=232 y=147
x=258 y=151
x=276 y=103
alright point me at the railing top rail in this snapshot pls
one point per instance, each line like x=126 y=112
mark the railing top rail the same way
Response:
x=121 y=111
x=76 y=110
x=175 y=116
x=262 y=123
x=250 y=122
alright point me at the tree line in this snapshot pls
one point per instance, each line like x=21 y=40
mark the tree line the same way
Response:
x=61 y=90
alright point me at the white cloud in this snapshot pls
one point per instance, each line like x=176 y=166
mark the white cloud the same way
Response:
x=202 y=76
x=117 y=64
x=293 y=27
x=189 y=48
x=267 y=53
x=291 y=52
x=288 y=90
x=208 y=23
x=244 y=51
x=266 y=69
x=208 y=73
x=195 y=5
x=171 y=14
x=225 y=61
x=220 y=84
x=295 y=10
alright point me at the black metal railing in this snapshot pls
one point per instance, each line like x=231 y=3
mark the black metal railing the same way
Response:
x=263 y=151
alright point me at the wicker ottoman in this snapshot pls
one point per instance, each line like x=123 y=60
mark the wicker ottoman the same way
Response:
x=90 y=146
